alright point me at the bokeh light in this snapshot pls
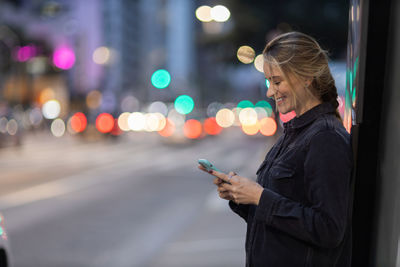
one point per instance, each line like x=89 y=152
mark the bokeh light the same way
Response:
x=268 y=126
x=192 y=129
x=266 y=106
x=64 y=57
x=213 y=108
x=160 y=79
x=203 y=13
x=129 y=104
x=136 y=121
x=246 y=54
x=51 y=109
x=57 y=127
x=3 y=125
x=168 y=129
x=267 y=83
x=101 y=55
x=211 y=126
x=78 y=122
x=93 y=99
x=287 y=117
x=248 y=116
x=158 y=107
x=12 y=127
x=184 y=104
x=245 y=104
x=46 y=95
x=220 y=13
x=104 y=123
x=123 y=121
x=251 y=129
x=259 y=63
x=225 y=118
x=177 y=118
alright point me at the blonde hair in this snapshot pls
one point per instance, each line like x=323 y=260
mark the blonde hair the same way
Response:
x=299 y=55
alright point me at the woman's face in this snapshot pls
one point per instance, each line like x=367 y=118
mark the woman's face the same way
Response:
x=279 y=90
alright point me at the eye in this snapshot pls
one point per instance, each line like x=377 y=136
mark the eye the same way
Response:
x=277 y=83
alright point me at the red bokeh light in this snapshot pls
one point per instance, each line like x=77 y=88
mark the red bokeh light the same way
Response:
x=211 y=126
x=288 y=116
x=105 y=123
x=192 y=129
x=78 y=122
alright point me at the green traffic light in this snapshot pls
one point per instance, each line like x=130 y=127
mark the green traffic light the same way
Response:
x=184 y=104
x=161 y=79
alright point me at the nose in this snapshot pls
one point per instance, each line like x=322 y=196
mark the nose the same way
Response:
x=271 y=91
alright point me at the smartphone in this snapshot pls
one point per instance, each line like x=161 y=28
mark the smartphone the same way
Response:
x=209 y=166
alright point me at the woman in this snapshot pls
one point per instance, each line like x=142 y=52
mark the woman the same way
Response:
x=297 y=212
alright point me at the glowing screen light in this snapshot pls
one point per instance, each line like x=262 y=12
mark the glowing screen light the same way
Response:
x=192 y=129
x=78 y=122
x=160 y=79
x=220 y=13
x=268 y=126
x=225 y=118
x=246 y=54
x=51 y=109
x=259 y=63
x=184 y=104
x=104 y=123
x=64 y=57
x=211 y=126
x=58 y=127
x=203 y=14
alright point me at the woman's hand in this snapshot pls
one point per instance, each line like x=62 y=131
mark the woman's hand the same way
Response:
x=239 y=189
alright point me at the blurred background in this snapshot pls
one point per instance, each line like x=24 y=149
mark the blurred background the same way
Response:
x=105 y=107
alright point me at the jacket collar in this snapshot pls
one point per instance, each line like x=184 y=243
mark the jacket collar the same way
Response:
x=309 y=116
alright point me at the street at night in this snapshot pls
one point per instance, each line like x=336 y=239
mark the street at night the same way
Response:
x=134 y=201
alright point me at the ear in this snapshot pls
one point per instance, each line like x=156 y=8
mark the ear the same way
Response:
x=308 y=81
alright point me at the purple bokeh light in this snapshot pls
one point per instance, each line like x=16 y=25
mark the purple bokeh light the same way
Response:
x=64 y=57
x=24 y=53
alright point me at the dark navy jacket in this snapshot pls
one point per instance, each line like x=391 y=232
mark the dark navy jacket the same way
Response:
x=303 y=215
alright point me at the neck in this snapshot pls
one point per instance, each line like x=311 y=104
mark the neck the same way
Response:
x=301 y=109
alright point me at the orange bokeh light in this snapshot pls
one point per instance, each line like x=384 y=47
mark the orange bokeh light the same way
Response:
x=192 y=129
x=211 y=126
x=105 y=123
x=168 y=129
x=251 y=129
x=78 y=122
x=268 y=126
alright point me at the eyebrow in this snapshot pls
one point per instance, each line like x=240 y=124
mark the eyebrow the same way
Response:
x=273 y=77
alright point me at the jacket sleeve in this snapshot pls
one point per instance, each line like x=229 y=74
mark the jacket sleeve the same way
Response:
x=239 y=209
x=327 y=174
